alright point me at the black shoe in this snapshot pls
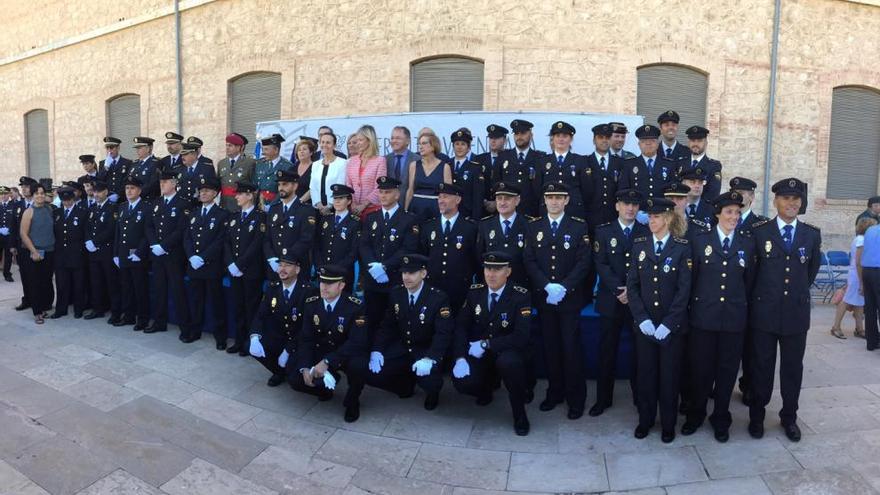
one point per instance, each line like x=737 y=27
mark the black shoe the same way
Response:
x=275 y=380
x=668 y=436
x=113 y=320
x=22 y=307
x=221 y=346
x=431 y=401
x=756 y=430
x=597 y=410
x=746 y=398
x=530 y=396
x=78 y=315
x=57 y=315
x=793 y=432
x=93 y=315
x=189 y=340
x=690 y=427
x=641 y=432
x=484 y=399
x=548 y=404
x=140 y=326
x=122 y=323
x=325 y=395
x=8 y=278
x=155 y=328
x=722 y=435
x=575 y=413
x=352 y=414
x=234 y=348
x=521 y=426
x=244 y=352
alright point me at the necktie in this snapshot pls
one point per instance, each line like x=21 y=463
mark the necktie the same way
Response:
x=338 y=218
x=659 y=247
x=602 y=163
x=412 y=300
x=232 y=163
x=329 y=309
x=692 y=210
x=739 y=222
x=506 y=227
x=559 y=160
x=725 y=246
x=786 y=236
x=522 y=158
x=324 y=184
x=668 y=152
x=626 y=232
x=192 y=171
x=205 y=211
x=167 y=201
x=694 y=164
x=446 y=228
x=398 y=165
x=457 y=166
x=554 y=225
x=284 y=209
x=650 y=165
x=286 y=294
x=493 y=161
x=387 y=217
x=66 y=213
x=494 y=301
x=112 y=163
x=130 y=207
x=243 y=216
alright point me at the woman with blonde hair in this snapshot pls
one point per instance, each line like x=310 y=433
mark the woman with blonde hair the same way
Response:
x=424 y=177
x=363 y=169
x=853 y=298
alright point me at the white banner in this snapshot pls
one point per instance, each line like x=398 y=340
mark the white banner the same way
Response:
x=445 y=123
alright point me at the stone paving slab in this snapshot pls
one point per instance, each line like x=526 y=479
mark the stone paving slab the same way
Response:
x=120 y=482
x=461 y=466
x=60 y=466
x=672 y=466
x=558 y=472
x=359 y=450
x=203 y=478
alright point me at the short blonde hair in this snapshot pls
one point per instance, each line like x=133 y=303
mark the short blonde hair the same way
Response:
x=864 y=224
x=372 y=149
x=433 y=140
x=306 y=142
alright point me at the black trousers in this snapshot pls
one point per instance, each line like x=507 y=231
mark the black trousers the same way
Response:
x=246 y=295
x=377 y=304
x=398 y=377
x=135 y=289
x=202 y=289
x=745 y=380
x=871 y=289
x=273 y=347
x=104 y=284
x=659 y=368
x=791 y=372
x=71 y=286
x=23 y=257
x=355 y=371
x=564 y=356
x=6 y=245
x=609 y=346
x=168 y=272
x=36 y=278
x=508 y=366
x=714 y=358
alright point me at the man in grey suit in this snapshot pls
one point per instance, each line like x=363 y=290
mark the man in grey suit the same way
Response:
x=400 y=157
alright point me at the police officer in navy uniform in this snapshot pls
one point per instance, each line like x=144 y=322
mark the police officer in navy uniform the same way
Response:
x=658 y=286
x=670 y=148
x=339 y=235
x=276 y=326
x=599 y=180
x=698 y=206
x=449 y=241
x=788 y=259
x=203 y=247
x=469 y=175
x=22 y=255
x=116 y=169
x=612 y=247
x=130 y=255
x=506 y=231
x=192 y=174
x=561 y=165
x=414 y=336
x=723 y=271
x=557 y=258
x=243 y=259
x=678 y=194
x=697 y=142
x=290 y=229
x=8 y=224
x=618 y=140
x=92 y=170
x=334 y=338
x=165 y=228
x=495 y=159
x=492 y=339
x=528 y=160
x=648 y=172
x=172 y=161
x=103 y=274
x=389 y=233
x=146 y=167
x=202 y=159
x=746 y=188
x=70 y=255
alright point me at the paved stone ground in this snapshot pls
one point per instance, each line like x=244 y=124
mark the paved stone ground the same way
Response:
x=92 y=409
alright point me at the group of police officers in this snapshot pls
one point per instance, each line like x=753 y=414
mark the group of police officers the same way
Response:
x=521 y=235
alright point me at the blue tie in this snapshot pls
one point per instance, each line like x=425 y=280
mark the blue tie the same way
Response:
x=522 y=158
x=668 y=152
x=447 y=228
x=554 y=225
x=286 y=294
x=650 y=165
x=786 y=236
x=740 y=221
x=694 y=164
x=399 y=163
x=602 y=164
x=494 y=301
x=725 y=246
x=506 y=227
x=627 y=231
x=243 y=216
x=659 y=247
x=560 y=160
x=338 y=218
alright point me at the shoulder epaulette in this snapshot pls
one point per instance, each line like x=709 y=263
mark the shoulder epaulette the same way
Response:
x=477 y=286
x=534 y=219
x=355 y=217
x=640 y=239
x=700 y=223
x=488 y=217
x=680 y=240
x=604 y=225
x=579 y=219
x=810 y=226
x=529 y=218
x=762 y=222
x=275 y=283
x=354 y=300
x=520 y=289
x=313 y=298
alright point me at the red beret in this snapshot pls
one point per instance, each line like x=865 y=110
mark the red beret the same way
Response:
x=235 y=139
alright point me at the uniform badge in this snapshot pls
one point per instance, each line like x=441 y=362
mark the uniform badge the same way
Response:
x=340 y=326
x=520 y=240
x=76 y=222
x=802 y=251
x=294 y=314
x=173 y=212
x=325 y=224
x=458 y=241
x=274 y=302
x=492 y=234
x=690 y=263
x=250 y=227
x=375 y=225
x=573 y=171
x=708 y=250
x=539 y=236
x=478 y=310
x=504 y=320
x=274 y=217
x=642 y=256
x=444 y=312
x=566 y=244
x=504 y=165
x=742 y=258
x=192 y=221
x=548 y=165
x=263 y=227
x=284 y=251
x=768 y=246
x=433 y=234
x=360 y=321
x=613 y=242
x=393 y=235
x=422 y=314
x=156 y=209
x=317 y=320
x=397 y=309
x=343 y=232
x=290 y=223
x=596 y=246
x=635 y=169
x=667 y=265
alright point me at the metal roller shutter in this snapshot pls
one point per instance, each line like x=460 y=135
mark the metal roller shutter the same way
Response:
x=672 y=87
x=253 y=98
x=37 y=138
x=854 y=146
x=446 y=85
x=124 y=121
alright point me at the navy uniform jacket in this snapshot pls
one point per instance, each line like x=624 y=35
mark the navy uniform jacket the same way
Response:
x=524 y=173
x=204 y=160
x=722 y=282
x=705 y=212
x=291 y=232
x=612 y=253
x=166 y=164
x=10 y=212
x=634 y=174
x=570 y=174
x=491 y=238
x=425 y=330
x=100 y=174
x=244 y=243
x=780 y=301
x=205 y=237
x=387 y=243
x=508 y=169
x=100 y=229
x=188 y=182
x=751 y=220
x=335 y=337
x=563 y=259
x=599 y=189
x=148 y=172
x=471 y=177
x=131 y=234
x=452 y=259
x=166 y=227
x=70 y=237
x=506 y=327
x=338 y=244
x=711 y=167
x=680 y=152
x=116 y=176
x=658 y=287
x=278 y=320
x=696 y=227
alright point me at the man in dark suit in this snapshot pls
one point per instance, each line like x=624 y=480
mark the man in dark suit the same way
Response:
x=146 y=167
x=290 y=227
x=70 y=255
x=788 y=259
x=103 y=274
x=697 y=143
x=192 y=174
x=648 y=172
x=117 y=169
x=198 y=143
x=130 y=256
x=562 y=165
x=172 y=161
x=400 y=157
x=670 y=148
x=527 y=158
x=506 y=231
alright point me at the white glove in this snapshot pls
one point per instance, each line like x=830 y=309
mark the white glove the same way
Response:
x=476 y=350
x=273 y=264
x=423 y=366
x=377 y=360
x=4 y=230
x=116 y=261
x=196 y=262
x=461 y=368
x=91 y=246
x=555 y=293
x=329 y=381
x=133 y=257
x=234 y=271
x=647 y=328
x=256 y=349
x=157 y=250
x=642 y=217
x=282 y=359
x=378 y=272
x=662 y=332
x=266 y=207
x=113 y=198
